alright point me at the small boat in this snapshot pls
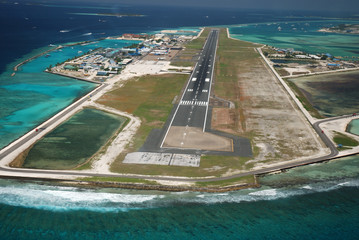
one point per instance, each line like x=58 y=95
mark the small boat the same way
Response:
x=47 y=55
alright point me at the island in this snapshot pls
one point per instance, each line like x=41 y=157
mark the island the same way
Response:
x=343 y=29
x=188 y=113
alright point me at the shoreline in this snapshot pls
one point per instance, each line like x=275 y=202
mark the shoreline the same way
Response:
x=280 y=167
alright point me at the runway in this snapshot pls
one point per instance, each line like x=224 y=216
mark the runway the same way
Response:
x=192 y=110
x=193 y=107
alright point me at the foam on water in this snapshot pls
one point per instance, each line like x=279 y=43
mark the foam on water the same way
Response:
x=55 y=198
x=66 y=199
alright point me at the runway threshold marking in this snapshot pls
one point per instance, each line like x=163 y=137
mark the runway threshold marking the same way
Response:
x=193 y=79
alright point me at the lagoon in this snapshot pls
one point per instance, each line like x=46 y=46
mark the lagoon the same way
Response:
x=302 y=36
x=331 y=94
x=72 y=143
x=32 y=96
x=353 y=127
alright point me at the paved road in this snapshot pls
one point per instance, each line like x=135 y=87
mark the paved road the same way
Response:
x=333 y=153
x=191 y=111
x=48 y=124
x=193 y=107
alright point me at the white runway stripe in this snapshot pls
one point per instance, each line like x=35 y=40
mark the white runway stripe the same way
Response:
x=198 y=103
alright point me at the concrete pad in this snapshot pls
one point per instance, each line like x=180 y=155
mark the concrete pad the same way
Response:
x=195 y=138
x=187 y=160
x=170 y=159
x=148 y=158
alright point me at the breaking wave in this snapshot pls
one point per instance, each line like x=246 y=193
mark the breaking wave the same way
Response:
x=55 y=198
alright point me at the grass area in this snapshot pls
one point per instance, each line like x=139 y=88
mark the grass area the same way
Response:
x=148 y=97
x=117 y=180
x=210 y=166
x=198 y=43
x=282 y=72
x=182 y=63
x=303 y=99
x=184 y=59
x=231 y=55
x=345 y=140
x=235 y=181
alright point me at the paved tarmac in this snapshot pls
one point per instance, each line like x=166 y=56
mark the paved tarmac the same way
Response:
x=193 y=107
x=254 y=172
x=195 y=101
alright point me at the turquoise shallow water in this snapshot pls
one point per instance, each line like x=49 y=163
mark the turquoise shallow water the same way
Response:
x=313 y=202
x=32 y=96
x=354 y=127
x=302 y=36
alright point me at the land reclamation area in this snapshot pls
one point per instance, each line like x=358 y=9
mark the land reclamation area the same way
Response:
x=331 y=95
x=261 y=111
x=73 y=143
x=246 y=100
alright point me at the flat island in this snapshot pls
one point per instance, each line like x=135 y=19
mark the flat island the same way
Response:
x=204 y=113
x=343 y=29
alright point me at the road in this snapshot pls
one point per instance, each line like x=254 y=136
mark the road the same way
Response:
x=333 y=153
x=192 y=111
x=193 y=107
x=13 y=147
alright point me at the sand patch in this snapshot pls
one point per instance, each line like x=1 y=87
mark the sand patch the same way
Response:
x=195 y=138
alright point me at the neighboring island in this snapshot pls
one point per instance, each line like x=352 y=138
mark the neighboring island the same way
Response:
x=342 y=28
x=110 y=14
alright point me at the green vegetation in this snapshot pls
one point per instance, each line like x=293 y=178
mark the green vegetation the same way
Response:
x=198 y=43
x=303 y=99
x=182 y=63
x=345 y=140
x=235 y=181
x=233 y=57
x=117 y=180
x=150 y=98
x=185 y=57
x=210 y=166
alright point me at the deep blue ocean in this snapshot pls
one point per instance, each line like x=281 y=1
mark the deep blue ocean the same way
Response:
x=312 y=202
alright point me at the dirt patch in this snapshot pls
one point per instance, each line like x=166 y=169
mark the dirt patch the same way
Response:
x=195 y=138
x=224 y=119
x=263 y=110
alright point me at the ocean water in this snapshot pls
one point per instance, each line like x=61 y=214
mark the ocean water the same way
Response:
x=312 y=202
x=32 y=96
